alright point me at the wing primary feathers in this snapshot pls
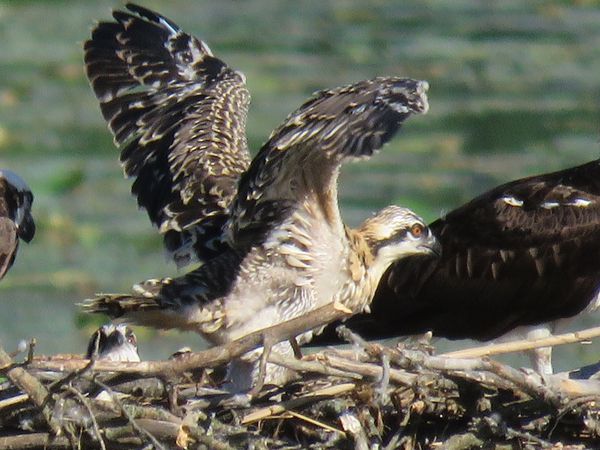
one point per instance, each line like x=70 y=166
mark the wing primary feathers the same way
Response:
x=178 y=115
x=302 y=157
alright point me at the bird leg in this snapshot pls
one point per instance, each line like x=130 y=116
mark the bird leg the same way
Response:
x=541 y=359
x=296 y=348
x=268 y=343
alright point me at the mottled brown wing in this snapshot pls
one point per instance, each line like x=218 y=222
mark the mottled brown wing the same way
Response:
x=9 y=242
x=523 y=253
x=178 y=115
x=300 y=161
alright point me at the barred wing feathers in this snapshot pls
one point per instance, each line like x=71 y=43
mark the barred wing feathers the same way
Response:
x=300 y=162
x=178 y=114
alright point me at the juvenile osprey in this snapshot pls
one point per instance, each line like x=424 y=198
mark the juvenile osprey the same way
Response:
x=268 y=230
x=16 y=221
x=519 y=258
x=113 y=343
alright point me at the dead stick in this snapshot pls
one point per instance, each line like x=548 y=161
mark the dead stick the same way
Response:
x=525 y=344
x=34 y=440
x=143 y=434
x=32 y=387
x=369 y=370
x=86 y=403
x=208 y=358
x=302 y=365
x=331 y=391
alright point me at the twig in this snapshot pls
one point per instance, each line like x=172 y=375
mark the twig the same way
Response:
x=32 y=387
x=310 y=366
x=32 y=344
x=527 y=383
x=54 y=387
x=370 y=370
x=212 y=357
x=354 y=428
x=85 y=402
x=34 y=440
x=525 y=344
x=141 y=431
x=524 y=382
x=316 y=422
x=19 y=398
x=319 y=394
x=512 y=433
x=385 y=380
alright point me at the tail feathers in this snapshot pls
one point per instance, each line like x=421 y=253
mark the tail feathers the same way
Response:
x=119 y=305
x=144 y=307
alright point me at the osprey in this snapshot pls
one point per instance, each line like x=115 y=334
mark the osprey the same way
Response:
x=113 y=343
x=520 y=258
x=16 y=221
x=268 y=230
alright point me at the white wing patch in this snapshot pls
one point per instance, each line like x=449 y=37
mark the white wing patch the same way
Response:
x=512 y=201
x=550 y=205
x=580 y=202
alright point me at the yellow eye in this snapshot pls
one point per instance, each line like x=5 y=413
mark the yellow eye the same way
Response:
x=417 y=230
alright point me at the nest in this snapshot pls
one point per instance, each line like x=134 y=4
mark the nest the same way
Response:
x=366 y=397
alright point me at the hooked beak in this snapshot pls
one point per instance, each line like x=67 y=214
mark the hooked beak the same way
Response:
x=26 y=229
x=432 y=245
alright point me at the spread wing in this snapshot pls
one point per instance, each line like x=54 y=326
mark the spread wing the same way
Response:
x=521 y=254
x=178 y=115
x=300 y=161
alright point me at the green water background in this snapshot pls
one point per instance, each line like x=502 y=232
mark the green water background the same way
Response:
x=515 y=90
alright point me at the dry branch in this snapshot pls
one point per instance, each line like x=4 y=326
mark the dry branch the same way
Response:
x=212 y=357
x=525 y=344
x=32 y=387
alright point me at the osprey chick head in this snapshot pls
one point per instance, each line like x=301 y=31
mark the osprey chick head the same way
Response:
x=113 y=343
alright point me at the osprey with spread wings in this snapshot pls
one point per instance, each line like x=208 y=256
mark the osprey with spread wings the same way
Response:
x=268 y=230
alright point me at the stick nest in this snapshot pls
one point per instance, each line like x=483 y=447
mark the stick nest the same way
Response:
x=366 y=397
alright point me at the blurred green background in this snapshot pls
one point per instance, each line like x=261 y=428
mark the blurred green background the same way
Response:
x=515 y=90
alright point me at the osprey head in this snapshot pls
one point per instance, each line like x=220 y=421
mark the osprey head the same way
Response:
x=18 y=198
x=114 y=343
x=396 y=232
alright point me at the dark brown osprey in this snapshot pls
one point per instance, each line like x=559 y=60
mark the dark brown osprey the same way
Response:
x=518 y=258
x=16 y=221
x=268 y=229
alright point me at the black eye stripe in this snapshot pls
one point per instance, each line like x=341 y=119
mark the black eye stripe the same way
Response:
x=401 y=235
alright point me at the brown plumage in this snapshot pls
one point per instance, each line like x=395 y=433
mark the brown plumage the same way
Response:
x=518 y=258
x=16 y=221
x=280 y=248
x=179 y=116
